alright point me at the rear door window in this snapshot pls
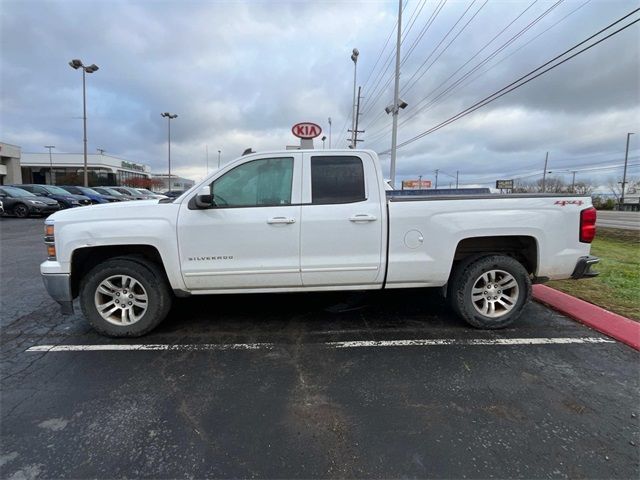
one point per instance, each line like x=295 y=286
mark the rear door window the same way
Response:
x=337 y=179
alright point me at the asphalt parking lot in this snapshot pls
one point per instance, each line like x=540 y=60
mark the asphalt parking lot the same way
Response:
x=387 y=384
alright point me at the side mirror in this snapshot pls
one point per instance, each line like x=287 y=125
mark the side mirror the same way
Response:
x=204 y=201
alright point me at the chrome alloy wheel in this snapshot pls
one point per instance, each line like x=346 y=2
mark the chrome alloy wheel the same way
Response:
x=495 y=293
x=121 y=300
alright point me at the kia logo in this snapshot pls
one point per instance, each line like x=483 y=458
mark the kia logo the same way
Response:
x=306 y=130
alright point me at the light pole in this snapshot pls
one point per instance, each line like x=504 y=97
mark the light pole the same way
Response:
x=50 y=163
x=324 y=137
x=624 y=175
x=437 y=170
x=76 y=64
x=329 y=133
x=354 y=57
x=169 y=117
x=219 y=152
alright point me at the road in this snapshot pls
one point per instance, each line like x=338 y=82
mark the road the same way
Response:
x=385 y=384
x=613 y=219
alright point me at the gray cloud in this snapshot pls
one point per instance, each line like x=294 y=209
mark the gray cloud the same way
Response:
x=240 y=74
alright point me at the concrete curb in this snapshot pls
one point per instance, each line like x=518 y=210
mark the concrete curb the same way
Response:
x=615 y=326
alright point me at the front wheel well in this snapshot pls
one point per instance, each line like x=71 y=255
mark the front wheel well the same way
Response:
x=522 y=248
x=84 y=259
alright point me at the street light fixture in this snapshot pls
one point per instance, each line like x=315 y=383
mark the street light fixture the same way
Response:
x=76 y=64
x=50 y=163
x=169 y=117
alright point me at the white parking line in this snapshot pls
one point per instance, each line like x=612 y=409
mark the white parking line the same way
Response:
x=346 y=344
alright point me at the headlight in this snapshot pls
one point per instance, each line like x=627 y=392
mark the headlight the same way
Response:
x=74 y=202
x=36 y=202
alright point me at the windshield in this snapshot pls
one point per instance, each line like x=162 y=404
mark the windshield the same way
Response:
x=144 y=191
x=88 y=190
x=55 y=190
x=16 y=192
x=113 y=192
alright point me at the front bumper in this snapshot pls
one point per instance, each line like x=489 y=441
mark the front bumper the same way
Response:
x=45 y=209
x=583 y=267
x=58 y=286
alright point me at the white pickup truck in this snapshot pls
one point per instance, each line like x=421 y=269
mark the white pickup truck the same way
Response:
x=311 y=220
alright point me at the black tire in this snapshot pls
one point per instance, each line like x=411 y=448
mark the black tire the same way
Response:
x=466 y=275
x=21 y=210
x=148 y=275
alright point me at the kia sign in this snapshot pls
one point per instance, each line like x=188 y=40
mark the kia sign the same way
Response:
x=306 y=130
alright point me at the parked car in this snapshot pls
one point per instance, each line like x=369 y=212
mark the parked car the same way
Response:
x=299 y=221
x=132 y=193
x=106 y=191
x=66 y=199
x=173 y=193
x=19 y=202
x=90 y=193
x=1 y=208
x=151 y=194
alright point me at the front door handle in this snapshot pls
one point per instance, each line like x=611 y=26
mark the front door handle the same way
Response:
x=286 y=220
x=362 y=217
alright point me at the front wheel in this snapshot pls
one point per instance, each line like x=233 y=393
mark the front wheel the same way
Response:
x=490 y=292
x=21 y=210
x=125 y=297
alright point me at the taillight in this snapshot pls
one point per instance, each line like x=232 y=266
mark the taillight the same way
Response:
x=587 y=225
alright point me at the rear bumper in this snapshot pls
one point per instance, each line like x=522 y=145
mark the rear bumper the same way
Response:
x=58 y=286
x=583 y=267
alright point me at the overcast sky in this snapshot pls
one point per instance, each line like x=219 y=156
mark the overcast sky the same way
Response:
x=239 y=74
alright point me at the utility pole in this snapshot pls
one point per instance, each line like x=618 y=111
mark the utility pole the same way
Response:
x=419 y=182
x=354 y=134
x=396 y=97
x=624 y=175
x=544 y=174
x=50 y=163
x=206 y=148
x=354 y=57
x=573 y=181
x=457 y=176
x=437 y=178
x=219 y=151
x=329 y=133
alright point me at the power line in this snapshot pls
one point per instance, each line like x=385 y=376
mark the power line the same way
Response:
x=521 y=82
x=379 y=88
x=409 y=85
x=389 y=59
x=492 y=55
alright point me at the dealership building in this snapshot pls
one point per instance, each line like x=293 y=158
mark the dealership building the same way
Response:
x=64 y=168
x=10 y=164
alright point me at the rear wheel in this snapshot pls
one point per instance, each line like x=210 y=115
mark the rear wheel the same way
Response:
x=21 y=210
x=125 y=297
x=490 y=292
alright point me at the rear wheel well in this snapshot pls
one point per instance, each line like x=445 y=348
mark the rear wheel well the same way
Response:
x=522 y=248
x=84 y=259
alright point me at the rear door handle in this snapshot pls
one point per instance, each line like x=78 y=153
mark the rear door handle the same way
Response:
x=287 y=220
x=362 y=217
